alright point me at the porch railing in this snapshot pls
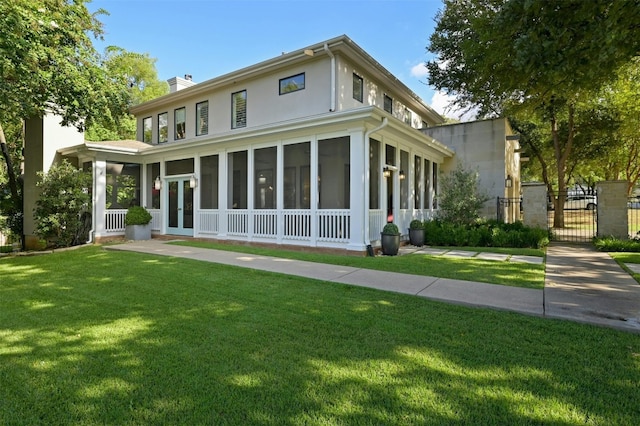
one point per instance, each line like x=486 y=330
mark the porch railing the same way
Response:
x=265 y=223
x=238 y=222
x=114 y=220
x=209 y=221
x=334 y=225
x=297 y=225
x=377 y=220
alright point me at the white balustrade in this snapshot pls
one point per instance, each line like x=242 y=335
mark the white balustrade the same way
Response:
x=209 y=221
x=265 y=223
x=334 y=225
x=114 y=220
x=156 y=219
x=297 y=225
x=377 y=220
x=238 y=222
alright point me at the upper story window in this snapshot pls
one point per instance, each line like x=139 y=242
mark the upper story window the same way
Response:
x=239 y=109
x=163 y=129
x=388 y=104
x=407 y=116
x=180 y=118
x=292 y=84
x=147 y=130
x=358 y=88
x=424 y=124
x=202 y=118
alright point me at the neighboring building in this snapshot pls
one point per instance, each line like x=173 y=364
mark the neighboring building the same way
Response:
x=319 y=147
x=492 y=149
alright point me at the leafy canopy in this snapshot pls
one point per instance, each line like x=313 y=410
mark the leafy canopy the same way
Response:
x=501 y=54
x=48 y=63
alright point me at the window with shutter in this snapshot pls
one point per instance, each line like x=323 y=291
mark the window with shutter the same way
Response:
x=202 y=118
x=239 y=109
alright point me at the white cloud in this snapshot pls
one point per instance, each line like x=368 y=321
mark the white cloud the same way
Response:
x=443 y=104
x=419 y=70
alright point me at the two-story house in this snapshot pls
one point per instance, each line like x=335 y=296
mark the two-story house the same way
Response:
x=318 y=147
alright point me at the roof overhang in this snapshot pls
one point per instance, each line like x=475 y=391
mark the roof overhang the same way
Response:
x=341 y=44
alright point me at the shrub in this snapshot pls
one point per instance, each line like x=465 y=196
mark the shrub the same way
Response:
x=460 y=198
x=484 y=234
x=391 y=229
x=137 y=215
x=615 y=244
x=416 y=224
x=63 y=211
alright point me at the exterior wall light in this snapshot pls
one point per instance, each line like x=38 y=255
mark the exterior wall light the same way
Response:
x=386 y=172
x=508 y=182
x=402 y=175
x=157 y=184
x=193 y=182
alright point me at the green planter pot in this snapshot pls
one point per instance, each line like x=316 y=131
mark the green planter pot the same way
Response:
x=416 y=237
x=390 y=244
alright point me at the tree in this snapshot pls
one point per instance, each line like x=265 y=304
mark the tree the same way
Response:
x=533 y=56
x=63 y=210
x=48 y=64
x=460 y=198
x=143 y=85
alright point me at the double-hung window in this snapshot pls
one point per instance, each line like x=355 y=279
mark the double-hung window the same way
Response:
x=147 y=129
x=239 y=109
x=163 y=129
x=202 y=118
x=388 y=104
x=180 y=118
x=358 y=88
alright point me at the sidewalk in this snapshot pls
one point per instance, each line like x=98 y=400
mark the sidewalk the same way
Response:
x=612 y=298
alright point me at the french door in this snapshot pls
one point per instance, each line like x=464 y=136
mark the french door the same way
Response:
x=180 y=214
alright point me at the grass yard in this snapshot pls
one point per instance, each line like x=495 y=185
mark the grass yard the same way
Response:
x=624 y=258
x=487 y=271
x=102 y=337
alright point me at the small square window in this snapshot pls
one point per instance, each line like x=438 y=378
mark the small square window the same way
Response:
x=180 y=118
x=202 y=118
x=292 y=84
x=388 y=104
x=163 y=129
x=358 y=88
x=147 y=129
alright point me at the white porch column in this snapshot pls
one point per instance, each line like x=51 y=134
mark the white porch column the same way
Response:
x=100 y=196
x=313 y=176
x=250 y=193
x=196 y=195
x=359 y=185
x=280 y=191
x=223 y=202
x=430 y=189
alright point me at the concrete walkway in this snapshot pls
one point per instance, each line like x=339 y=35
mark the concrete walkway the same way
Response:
x=581 y=284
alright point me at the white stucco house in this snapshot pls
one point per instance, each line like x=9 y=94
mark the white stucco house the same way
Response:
x=318 y=147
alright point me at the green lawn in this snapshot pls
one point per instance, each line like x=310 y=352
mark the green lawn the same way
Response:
x=623 y=258
x=102 y=337
x=487 y=271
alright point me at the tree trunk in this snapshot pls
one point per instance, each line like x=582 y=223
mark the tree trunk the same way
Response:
x=13 y=181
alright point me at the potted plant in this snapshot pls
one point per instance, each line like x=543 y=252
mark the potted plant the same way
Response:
x=137 y=224
x=416 y=233
x=390 y=239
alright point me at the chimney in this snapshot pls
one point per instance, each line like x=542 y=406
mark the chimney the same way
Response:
x=179 y=83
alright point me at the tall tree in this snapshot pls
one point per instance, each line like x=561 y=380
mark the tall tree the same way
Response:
x=140 y=73
x=48 y=63
x=542 y=57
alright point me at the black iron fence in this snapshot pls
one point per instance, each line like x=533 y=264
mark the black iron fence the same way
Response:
x=573 y=217
x=633 y=212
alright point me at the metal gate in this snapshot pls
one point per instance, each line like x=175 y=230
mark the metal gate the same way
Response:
x=577 y=220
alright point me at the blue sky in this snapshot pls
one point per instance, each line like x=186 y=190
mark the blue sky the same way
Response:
x=208 y=38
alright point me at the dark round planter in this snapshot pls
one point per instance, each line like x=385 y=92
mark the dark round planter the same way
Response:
x=416 y=237
x=390 y=244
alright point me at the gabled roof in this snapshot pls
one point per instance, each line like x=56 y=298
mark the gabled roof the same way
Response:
x=341 y=44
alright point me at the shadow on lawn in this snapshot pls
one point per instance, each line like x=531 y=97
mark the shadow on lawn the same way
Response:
x=105 y=337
